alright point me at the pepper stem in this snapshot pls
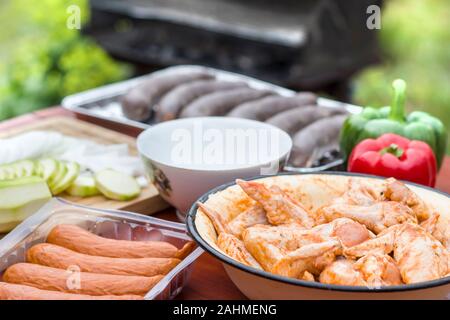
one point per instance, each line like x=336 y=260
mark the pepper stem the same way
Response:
x=392 y=149
x=398 y=102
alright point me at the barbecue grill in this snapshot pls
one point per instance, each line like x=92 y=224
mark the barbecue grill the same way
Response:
x=305 y=44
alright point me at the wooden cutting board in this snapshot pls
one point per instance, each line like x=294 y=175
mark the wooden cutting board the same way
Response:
x=148 y=201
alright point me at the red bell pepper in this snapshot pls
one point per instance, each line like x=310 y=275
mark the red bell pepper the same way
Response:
x=391 y=155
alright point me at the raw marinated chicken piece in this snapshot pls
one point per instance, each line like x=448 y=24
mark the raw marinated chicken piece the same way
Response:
x=376 y=217
x=267 y=255
x=359 y=193
x=219 y=223
x=268 y=243
x=383 y=243
x=234 y=247
x=373 y=270
x=313 y=258
x=285 y=237
x=307 y=276
x=419 y=256
x=250 y=217
x=293 y=237
x=293 y=241
x=287 y=250
x=399 y=192
x=441 y=231
x=227 y=242
x=253 y=215
x=430 y=224
x=341 y=272
x=280 y=207
x=378 y=270
x=348 y=231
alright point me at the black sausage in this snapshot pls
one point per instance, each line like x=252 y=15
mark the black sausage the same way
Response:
x=173 y=102
x=220 y=103
x=315 y=138
x=295 y=119
x=137 y=103
x=266 y=107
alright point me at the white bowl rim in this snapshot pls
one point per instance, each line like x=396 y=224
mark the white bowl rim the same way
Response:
x=237 y=167
x=192 y=228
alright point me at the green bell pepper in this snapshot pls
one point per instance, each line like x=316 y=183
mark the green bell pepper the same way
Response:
x=372 y=123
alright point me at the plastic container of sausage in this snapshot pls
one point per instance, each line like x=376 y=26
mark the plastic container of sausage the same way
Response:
x=106 y=223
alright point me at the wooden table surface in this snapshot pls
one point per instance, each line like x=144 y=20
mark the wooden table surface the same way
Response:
x=209 y=280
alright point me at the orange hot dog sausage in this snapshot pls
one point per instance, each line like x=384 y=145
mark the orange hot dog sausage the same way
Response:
x=77 y=239
x=10 y=291
x=47 y=278
x=58 y=257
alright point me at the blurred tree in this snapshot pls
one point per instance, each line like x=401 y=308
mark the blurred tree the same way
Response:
x=415 y=37
x=45 y=60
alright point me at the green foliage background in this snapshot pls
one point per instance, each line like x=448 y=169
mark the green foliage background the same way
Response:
x=415 y=38
x=41 y=60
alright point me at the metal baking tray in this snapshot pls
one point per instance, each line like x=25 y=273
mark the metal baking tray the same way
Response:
x=104 y=102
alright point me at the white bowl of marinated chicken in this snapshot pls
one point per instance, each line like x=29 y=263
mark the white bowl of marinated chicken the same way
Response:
x=328 y=236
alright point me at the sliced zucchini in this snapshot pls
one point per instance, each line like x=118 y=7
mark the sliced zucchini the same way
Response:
x=10 y=218
x=116 y=185
x=47 y=168
x=83 y=186
x=24 y=168
x=61 y=171
x=20 y=198
x=72 y=169
x=7 y=172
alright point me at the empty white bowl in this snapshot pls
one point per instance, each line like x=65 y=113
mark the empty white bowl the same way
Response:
x=184 y=158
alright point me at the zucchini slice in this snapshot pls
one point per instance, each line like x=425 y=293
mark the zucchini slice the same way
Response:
x=116 y=185
x=72 y=169
x=61 y=170
x=83 y=186
x=24 y=168
x=21 y=198
x=7 y=172
x=19 y=169
x=47 y=168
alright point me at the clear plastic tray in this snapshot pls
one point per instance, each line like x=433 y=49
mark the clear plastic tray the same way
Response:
x=106 y=223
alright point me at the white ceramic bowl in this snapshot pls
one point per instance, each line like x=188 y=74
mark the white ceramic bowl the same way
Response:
x=185 y=158
x=313 y=190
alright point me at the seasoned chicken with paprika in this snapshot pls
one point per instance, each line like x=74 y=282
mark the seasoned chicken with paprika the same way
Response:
x=369 y=235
